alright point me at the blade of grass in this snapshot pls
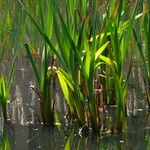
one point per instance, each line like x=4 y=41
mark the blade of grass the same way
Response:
x=32 y=63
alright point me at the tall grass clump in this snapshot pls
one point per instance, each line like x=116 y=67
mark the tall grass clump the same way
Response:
x=78 y=53
x=142 y=36
x=5 y=84
x=44 y=66
x=87 y=48
x=117 y=75
x=81 y=51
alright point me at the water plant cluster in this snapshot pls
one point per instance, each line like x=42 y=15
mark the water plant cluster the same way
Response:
x=86 y=50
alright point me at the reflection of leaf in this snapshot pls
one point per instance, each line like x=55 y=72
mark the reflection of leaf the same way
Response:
x=101 y=146
x=79 y=144
x=5 y=145
x=69 y=141
x=148 y=145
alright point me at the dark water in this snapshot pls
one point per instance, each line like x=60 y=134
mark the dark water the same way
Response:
x=33 y=137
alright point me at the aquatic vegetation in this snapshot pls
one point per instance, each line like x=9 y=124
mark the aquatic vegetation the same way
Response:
x=90 y=54
x=5 y=25
x=45 y=80
x=84 y=55
x=46 y=76
x=120 y=30
x=148 y=146
x=142 y=36
x=73 y=53
x=75 y=74
x=5 y=85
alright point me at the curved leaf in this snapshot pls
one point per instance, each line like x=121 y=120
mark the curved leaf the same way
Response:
x=102 y=48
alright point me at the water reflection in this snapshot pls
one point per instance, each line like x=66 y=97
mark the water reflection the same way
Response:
x=4 y=139
x=33 y=137
x=136 y=137
x=138 y=131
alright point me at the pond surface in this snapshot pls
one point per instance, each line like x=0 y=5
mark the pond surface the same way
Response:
x=33 y=137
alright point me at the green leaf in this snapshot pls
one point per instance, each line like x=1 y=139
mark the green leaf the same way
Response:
x=84 y=7
x=49 y=20
x=61 y=42
x=87 y=62
x=101 y=49
x=33 y=63
x=3 y=92
x=41 y=12
x=107 y=60
x=64 y=86
x=78 y=56
x=65 y=90
x=66 y=78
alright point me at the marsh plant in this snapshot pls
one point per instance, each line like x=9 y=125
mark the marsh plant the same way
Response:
x=117 y=76
x=44 y=66
x=5 y=85
x=90 y=54
x=78 y=52
x=142 y=36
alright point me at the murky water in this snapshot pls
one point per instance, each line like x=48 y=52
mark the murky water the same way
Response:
x=33 y=137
